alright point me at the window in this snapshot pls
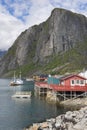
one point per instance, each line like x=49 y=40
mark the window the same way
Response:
x=82 y=82
x=77 y=82
x=72 y=82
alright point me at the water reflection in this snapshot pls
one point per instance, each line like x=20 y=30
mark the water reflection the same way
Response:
x=15 y=114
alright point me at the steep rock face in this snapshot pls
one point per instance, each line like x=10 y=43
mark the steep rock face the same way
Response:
x=25 y=46
x=20 y=53
x=61 y=32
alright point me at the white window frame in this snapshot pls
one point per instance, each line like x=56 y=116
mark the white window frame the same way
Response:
x=83 y=83
x=77 y=82
x=73 y=84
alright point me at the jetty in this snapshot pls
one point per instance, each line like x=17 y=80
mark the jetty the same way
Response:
x=22 y=94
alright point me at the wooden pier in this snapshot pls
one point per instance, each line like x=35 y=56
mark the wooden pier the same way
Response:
x=41 y=89
x=62 y=92
x=22 y=94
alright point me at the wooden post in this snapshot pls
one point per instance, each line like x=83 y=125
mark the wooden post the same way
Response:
x=71 y=94
x=85 y=94
x=74 y=94
x=64 y=95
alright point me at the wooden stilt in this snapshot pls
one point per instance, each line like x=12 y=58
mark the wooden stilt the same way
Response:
x=64 y=95
x=74 y=94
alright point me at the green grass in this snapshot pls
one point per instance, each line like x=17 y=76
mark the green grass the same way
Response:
x=70 y=61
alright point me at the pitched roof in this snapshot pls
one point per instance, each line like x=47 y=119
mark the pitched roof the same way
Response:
x=70 y=76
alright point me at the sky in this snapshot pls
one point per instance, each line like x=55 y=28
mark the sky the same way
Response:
x=18 y=15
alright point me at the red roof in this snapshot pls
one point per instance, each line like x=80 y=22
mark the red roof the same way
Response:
x=70 y=76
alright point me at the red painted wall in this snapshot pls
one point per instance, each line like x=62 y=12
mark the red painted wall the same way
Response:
x=67 y=81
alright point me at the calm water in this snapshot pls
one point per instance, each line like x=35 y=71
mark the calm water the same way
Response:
x=15 y=114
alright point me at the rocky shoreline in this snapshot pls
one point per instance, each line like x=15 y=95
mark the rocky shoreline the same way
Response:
x=77 y=103
x=71 y=120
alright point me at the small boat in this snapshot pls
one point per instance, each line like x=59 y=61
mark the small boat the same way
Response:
x=29 y=79
x=17 y=81
x=22 y=94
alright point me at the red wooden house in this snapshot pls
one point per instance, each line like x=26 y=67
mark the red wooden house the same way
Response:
x=71 y=83
x=70 y=86
x=73 y=80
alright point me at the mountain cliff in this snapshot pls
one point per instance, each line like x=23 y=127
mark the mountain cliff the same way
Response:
x=62 y=32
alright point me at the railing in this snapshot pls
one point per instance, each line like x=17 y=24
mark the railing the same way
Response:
x=68 y=88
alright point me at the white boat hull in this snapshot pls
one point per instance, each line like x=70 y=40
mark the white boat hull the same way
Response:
x=29 y=79
x=17 y=82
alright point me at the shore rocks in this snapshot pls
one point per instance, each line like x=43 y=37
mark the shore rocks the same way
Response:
x=71 y=120
x=79 y=102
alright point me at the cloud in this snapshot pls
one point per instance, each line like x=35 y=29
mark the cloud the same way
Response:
x=79 y=6
x=39 y=11
x=10 y=28
x=18 y=15
x=17 y=8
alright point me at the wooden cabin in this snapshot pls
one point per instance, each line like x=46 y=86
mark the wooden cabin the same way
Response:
x=70 y=86
x=73 y=80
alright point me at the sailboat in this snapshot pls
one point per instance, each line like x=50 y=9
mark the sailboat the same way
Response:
x=17 y=81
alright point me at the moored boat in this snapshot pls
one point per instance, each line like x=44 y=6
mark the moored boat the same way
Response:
x=17 y=81
x=29 y=79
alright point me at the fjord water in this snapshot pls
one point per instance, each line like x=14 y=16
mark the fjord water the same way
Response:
x=15 y=114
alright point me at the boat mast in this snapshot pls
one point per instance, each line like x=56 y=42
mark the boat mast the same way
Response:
x=14 y=77
x=20 y=75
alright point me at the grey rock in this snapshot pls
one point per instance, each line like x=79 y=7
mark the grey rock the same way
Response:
x=60 y=123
